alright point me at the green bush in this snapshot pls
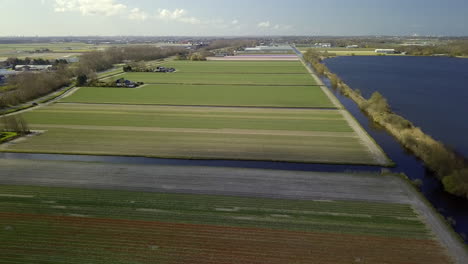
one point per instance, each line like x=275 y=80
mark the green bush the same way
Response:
x=457 y=183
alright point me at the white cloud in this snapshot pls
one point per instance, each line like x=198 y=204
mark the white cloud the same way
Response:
x=265 y=24
x=179 y=15
x=235 y=22
x=282 y=27
x=90 y=7
x=137 y=14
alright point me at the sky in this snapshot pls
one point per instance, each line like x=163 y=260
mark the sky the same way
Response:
x=233 y=18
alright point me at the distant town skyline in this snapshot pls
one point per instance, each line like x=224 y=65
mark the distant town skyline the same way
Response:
x=233 y=18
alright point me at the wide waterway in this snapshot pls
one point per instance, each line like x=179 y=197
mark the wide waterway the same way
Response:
x=432 y=92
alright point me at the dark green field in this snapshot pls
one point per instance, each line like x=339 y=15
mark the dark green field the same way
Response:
x=220 y=95
x=218 y=78
x=236 y=67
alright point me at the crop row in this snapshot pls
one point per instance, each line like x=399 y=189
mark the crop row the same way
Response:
x=104 y=240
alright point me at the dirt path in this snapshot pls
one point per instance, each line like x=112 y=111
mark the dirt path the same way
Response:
x=378 y=154
x=439 y=227
x=205 y=131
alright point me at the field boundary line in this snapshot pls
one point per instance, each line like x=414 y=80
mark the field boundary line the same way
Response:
x=206 y=131
x=236 y=84
x=209 y=106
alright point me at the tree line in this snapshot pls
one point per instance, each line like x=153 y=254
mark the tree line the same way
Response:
x=12 y=62
x=451 y=169
x=28 y=86
x=453 y=48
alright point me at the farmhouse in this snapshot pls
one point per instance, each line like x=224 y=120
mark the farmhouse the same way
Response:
x=385 y=51
x=33 y=67
x=125 y=83
x=164 y=69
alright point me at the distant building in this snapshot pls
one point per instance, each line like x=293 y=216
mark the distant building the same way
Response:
x=322 y=45
x=385 y=51
x=352 y=47
x=164 y=69
x=33 y=67
x=269 y=49
x=71 y=59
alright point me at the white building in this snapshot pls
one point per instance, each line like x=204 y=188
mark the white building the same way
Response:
x=352 y=47
x=269 y=49
x=33 y=67
x=322 y=45
x=385 y=51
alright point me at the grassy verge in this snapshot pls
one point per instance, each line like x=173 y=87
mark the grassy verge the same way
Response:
x=7 y=136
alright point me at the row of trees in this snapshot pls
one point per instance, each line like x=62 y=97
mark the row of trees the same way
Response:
x=12 y=62
x=103 y=60
x=14 y=123
x=29 y=86
x=451 y=168
x=454 y=48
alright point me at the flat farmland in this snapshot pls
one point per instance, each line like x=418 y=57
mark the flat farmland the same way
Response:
x=214 y=95
x=249 y=67
x=272 y=117
x=63 y=225
x=300 y=135
x=218 y=78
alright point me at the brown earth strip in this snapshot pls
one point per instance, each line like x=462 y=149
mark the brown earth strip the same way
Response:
x=186 y=243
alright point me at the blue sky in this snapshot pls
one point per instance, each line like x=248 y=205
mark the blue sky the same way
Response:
x=232 y=18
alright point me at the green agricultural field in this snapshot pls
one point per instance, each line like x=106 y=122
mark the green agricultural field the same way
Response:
x=189 y=117
x=271 y=119
x=220 y=78
x=332 y=216
x=243 y=67
x=222 y=95
x=62 y=225
x=196 y=132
